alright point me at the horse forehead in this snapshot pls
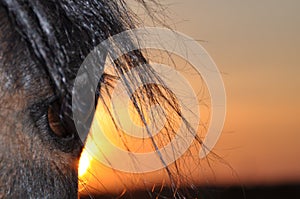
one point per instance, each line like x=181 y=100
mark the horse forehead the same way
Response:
x=21 y=84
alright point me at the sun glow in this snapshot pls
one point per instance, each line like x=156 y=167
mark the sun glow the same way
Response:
x=95 y=146
x=120 y=127
x=84 y=163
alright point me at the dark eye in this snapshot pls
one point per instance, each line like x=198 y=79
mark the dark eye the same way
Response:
x=58 y=122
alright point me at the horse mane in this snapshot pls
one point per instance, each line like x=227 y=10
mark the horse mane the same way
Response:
x=60 y=34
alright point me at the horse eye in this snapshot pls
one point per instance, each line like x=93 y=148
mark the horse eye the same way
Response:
x=56 y=124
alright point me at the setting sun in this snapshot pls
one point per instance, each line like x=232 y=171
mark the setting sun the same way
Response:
x=84 y=163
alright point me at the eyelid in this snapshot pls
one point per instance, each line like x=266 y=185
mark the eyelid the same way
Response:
x=38 y=109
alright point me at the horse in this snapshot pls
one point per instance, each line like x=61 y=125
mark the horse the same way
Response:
x=42 y=45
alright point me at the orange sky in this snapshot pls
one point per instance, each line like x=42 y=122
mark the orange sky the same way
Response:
x=256 y=45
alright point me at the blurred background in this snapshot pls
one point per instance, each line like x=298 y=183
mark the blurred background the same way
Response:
x=256 y=46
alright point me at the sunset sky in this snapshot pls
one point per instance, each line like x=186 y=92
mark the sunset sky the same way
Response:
x=256 y=46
